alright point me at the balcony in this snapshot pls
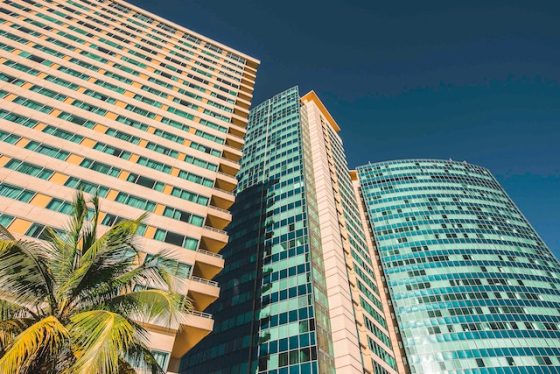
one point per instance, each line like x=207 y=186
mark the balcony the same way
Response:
x=225 y=182
x=213 y=240
x=222 y=199
x=202 y=292
x=194 y=327
x=232 y=156
x=237 y=131
x=217 y=217
x=207 y=264
x=234 y=142
x=229 y=168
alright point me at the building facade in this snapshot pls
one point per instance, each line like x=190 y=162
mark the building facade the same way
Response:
x=300 y=294
x=108 y=98
x=474 y=288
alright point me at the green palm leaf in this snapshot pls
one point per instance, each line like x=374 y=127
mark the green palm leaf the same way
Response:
x=71 y=304
x=47 y=334
x=101 y=336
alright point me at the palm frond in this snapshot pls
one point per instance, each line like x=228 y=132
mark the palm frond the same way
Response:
x=154 y=273
x=10 y=308
x=89 y=233
x=9 y=329
x=66 y=246
x=24 y=272
x=46 y=334
x=152 y=306
x=110 y=256
x=101 y=336
x=87 y=283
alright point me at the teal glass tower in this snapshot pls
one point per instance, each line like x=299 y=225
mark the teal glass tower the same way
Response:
x=474 y=288
x=301 y=292
x=272 y=314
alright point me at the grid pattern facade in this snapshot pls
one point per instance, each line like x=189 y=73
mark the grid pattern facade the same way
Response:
x=474 y=288
x=105 y=97
x=276 y=319
x=300 y=290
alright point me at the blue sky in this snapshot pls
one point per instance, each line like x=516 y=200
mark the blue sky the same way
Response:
x=476 y=81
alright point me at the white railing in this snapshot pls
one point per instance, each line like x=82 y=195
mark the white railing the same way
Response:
x=200 y=314
x=217 y=255
x=204 y=281
x=224 y=191
x=215 y=230
x=227 y=175
x=219 y=209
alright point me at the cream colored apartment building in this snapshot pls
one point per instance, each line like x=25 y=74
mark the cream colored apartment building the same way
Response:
x=107 y=97
x=363 y=333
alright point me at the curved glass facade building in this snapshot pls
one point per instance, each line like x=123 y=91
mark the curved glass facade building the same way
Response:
x=474 y=288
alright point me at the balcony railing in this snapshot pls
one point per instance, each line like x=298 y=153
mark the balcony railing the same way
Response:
x=224 y=191
x=204 y=281
x=200 y=314
x=215 y=230
x=238 y=138
x=219 y=209
x=217 y=255
x=226 y=174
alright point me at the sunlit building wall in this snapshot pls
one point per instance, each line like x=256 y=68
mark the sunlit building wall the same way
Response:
x=108 y=98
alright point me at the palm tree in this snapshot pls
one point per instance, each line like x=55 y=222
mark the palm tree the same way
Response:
x=75 y=303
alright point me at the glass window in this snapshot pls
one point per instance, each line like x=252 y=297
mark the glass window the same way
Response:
x=16 y=192
x=60 y=206
x=8 y=137
x=33 y=105
x=86 y=186
x=100 y=167
x=162 y=359
x=77 y=120
x=37 y=231
x=47 y=150
x=6 y=220
x=29 y=169
x=55 y=131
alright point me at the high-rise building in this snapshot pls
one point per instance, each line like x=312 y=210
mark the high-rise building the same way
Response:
x=106 y=97
x=300 y=293
x=473 y=287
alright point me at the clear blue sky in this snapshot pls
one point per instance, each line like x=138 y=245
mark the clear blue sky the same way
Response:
x=472 y=80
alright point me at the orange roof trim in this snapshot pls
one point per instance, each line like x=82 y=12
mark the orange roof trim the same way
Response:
x=312 y=96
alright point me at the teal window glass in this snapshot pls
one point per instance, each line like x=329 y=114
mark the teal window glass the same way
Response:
x=33 y=105
x=123 y=136
x=77 y=120
x=89 y=107
x=100 y=167
x=60 y=206
x=16 y=192
x=86 y=186
x=29 y=169
x=146 y=182
x=113 y=151
x=6 y=220
x=47 y=150
x=136 y=202
x=63 y=134
x=8 y=137
x=152 y=164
